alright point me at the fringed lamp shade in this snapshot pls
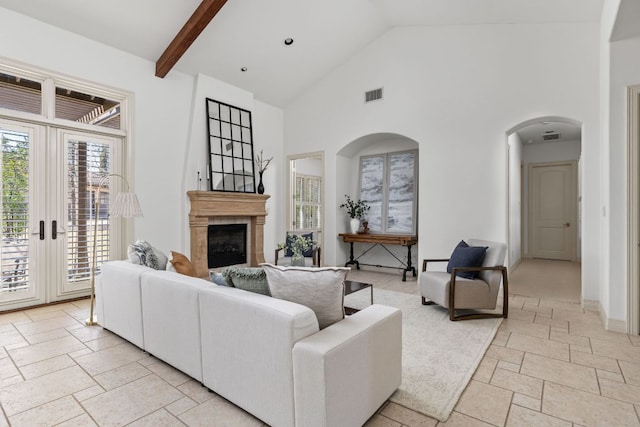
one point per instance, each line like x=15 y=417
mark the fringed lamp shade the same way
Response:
x=126 y=205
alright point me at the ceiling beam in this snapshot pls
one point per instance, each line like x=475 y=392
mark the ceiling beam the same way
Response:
x=187 y=35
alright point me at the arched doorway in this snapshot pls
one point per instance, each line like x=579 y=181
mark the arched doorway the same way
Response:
x=544 y=198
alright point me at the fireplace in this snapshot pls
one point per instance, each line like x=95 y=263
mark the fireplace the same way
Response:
x=219 y=207
x=226 y=245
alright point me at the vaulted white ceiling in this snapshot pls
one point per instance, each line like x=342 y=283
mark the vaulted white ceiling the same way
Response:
x=250 y=33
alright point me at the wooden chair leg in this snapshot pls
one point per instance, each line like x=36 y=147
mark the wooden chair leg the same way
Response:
x=425 y=302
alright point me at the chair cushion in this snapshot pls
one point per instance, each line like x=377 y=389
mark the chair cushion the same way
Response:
x=320 y=289
x=289 y=243
x=466 y=256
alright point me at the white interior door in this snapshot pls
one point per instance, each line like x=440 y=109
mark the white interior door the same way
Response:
x=553 y=210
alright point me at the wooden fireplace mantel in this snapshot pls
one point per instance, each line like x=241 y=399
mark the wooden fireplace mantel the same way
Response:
x=206 y=205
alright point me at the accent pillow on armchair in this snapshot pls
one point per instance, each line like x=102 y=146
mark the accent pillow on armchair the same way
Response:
x=466 y=256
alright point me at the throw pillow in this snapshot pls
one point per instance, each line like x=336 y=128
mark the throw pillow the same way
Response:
x=182 y=264
x=252 y=279
x=320 y=289
x=142 y=253
x=289 y=252
x=467 y=256
x=218 y=279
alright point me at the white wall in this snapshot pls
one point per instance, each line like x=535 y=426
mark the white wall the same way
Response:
x=456 y=91
x=624 y=72
x=515 y=199
x=166 y=152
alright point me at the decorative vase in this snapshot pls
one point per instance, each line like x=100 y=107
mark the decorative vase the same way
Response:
x=297 y=261
x=355 y=225
x=260 y=186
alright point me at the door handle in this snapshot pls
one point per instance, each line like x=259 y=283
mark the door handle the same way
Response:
x=54 y=230
x=567 y=224
x=41 y=230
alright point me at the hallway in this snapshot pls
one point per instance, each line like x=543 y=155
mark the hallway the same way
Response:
x=549 y=279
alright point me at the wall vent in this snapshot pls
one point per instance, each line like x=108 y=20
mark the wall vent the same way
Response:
x=550 y=136
x=373 y=95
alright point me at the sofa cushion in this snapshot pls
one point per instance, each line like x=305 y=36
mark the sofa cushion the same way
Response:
x=252 y=279
x=466 y=256
x=142 y=253
x=182 y=264
x=320 y=289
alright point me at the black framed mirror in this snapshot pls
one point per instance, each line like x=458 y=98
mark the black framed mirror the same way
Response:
x=231 y=166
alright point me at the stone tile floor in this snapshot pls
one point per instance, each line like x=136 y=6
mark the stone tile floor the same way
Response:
x=550 y=364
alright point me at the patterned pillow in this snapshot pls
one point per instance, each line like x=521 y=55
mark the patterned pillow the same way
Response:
x=250 y=279
x=290 y=237
x=142 y=253
x=320 y=289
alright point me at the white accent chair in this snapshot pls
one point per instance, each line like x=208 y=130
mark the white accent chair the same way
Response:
x=450 y=291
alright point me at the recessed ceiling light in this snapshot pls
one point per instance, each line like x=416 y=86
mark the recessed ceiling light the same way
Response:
x=288 y=41
x=243 y=69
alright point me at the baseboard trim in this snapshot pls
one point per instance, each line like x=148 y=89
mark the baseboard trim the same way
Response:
x=591 y=305
x=613 y=325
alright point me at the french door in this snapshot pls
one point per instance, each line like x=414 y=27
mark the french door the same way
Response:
x=48 y=189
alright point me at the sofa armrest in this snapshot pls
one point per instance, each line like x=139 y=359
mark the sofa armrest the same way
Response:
x=345 y=372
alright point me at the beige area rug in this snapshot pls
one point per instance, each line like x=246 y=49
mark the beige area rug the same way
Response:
x=439 y=357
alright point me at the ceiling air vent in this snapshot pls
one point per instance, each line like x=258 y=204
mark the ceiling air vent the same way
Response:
x=373 y=95
x=550 y=136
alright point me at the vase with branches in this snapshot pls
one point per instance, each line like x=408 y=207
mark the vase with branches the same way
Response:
x=357 y=210
x=261 y=165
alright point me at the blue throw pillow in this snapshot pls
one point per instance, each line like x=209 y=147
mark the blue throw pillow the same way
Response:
x=467 y=256
x=290 y=237
x=218 y=279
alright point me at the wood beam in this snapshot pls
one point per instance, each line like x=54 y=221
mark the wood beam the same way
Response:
x=187 y=35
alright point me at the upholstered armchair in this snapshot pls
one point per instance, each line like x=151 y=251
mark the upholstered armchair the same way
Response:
x=479 y=290
x=311 y=257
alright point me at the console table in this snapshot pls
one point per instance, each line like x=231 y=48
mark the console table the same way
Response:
x=381 y=240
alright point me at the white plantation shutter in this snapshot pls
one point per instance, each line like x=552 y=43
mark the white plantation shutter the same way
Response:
x=307 y=203
x=87 y=163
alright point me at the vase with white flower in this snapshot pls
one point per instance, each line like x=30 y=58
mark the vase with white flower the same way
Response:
x=298 y=244
x=357 y=210
x=261 y=165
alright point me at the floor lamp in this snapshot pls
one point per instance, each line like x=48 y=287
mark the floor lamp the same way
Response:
x=125 y=205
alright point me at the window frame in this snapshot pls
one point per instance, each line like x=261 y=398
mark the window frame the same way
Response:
x=385 y=199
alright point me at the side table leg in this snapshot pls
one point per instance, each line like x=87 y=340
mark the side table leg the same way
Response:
x=409 y=265
x=351 y=259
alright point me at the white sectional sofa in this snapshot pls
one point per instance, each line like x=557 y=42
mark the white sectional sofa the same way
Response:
x=264 y=354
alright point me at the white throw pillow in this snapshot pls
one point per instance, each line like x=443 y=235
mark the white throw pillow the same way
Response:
x=320 y=289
